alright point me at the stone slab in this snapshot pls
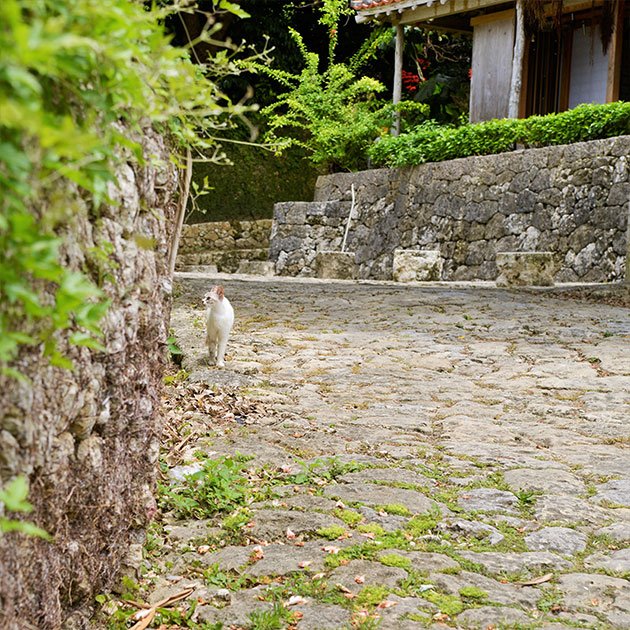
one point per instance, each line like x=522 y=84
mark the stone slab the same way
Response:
x=525 y=269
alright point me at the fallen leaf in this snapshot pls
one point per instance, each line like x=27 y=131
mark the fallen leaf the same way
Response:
x=142 y=613
x=369 y=535
x=538 y=580
x=203 y=549
x=349 y=595
x=340 y=504
x=360 y=579
x=290 y=534
x=595 y=601
x=297 y=615
x=257 y=554
x=344 y=561
x=304 y=564
x=318 y=576
x=387 y=603
x=382 y=513
x=294 y=600
x=440 y=617
x=330 y=549
x=342 y=588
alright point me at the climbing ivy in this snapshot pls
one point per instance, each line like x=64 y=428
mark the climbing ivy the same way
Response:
x=70 y=71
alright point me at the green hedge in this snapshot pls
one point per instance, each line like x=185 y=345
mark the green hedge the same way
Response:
x=249 y=188
x=430 y=142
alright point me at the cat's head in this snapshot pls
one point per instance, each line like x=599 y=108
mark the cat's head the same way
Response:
x=213 y=296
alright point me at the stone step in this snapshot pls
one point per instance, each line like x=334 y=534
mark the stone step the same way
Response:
x=226 y=261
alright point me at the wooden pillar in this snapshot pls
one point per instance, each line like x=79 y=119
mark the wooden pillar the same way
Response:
x=398 y=59
x=516 y=82
x=614 y=55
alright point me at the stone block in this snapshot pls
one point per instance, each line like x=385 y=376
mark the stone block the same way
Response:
x=525 y=269
x=417 y=265
x=256 y=267
x=335 y=264
x=207 y=269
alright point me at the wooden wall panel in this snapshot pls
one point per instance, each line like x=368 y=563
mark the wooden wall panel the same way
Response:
x=493 y=46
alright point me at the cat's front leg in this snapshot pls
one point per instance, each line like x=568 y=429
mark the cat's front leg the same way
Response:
x=221 y=344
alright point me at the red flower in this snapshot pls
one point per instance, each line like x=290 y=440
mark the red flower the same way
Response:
x=410 y=80
x=470 y=74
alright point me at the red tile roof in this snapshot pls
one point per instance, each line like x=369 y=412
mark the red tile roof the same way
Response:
x=370 y=4
x=357 y=5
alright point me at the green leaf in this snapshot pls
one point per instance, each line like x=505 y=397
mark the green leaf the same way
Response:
x=14 y=495
x=25 y=527
x=225 y=5
x=86 y=340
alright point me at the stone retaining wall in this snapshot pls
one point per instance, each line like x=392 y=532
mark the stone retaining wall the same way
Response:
x=224 y=243
x=88 y=439
x=571 y=200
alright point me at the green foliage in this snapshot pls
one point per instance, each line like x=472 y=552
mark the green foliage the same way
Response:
x=472 y=592
x=349 y=517
x=372 y=595
x=397 y=508
x=69 y=71
x=448 y=604
x=423 y=523
x=430 y=142
x=331 y=112
x=322 y=470
x=335 y=109
x=269 y=619
x=218 y=487
x=257 y=179
x=13 y=498
x=331 y=533
x=395 y=560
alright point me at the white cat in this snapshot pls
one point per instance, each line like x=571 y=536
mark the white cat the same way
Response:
x=219 y=322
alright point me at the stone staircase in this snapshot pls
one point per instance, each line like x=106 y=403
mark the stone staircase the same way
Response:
x=230 y=246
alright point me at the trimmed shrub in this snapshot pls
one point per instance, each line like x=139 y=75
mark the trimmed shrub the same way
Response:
x=430 y=142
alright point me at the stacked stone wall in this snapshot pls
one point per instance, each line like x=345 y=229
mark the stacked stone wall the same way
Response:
x=224 y=243
x=572 y=200
x=88 y=439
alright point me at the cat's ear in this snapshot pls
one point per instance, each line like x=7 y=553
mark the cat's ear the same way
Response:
x=220 y=292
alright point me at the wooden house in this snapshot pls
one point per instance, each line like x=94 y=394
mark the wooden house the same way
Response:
x=529 y=56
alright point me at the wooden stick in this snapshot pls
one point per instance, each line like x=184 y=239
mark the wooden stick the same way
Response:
x=181 y=213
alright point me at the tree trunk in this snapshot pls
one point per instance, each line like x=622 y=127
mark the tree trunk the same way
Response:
x=400 y=37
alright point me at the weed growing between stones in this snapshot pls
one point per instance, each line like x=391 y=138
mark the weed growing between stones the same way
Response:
x=447 y=604
x=331 y=533
x=395 y=560
x=350 y=517
x=396 y=509
x=218 y=487
x=270 y=619
x=372 y=595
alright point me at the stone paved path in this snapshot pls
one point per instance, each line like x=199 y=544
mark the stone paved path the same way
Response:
x=431 y=456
